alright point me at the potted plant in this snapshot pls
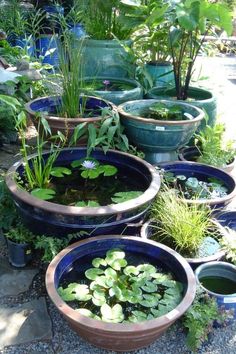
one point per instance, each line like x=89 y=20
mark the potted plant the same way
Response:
x=125 y=254
x=211 y=149
x=187 y=228
x=74 y=18
x=19 y=243
x=112 y=89
x=159 y=127
x=103 y=51
x=191 y=21
x=200 y=183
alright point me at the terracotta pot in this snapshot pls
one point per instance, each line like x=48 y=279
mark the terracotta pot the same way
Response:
x=120 y=337
x=65 y=125
x=146 y=233
x=191 y=153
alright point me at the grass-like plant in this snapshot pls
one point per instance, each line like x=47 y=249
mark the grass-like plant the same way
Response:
x=181 y=225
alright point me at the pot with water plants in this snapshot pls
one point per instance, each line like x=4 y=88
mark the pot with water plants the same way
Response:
x=218 y=279
x=159 y=127
x=200 y=183
x=125 y=258
x=96 y=194
x=112 y=89
x=188 y=229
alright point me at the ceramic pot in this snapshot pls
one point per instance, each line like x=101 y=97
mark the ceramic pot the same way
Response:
x=161 y=73
x=121 y=336
x=19 y=254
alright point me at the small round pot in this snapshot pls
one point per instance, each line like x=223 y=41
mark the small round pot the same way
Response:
x=65 y=125
x=43 y=217
x=222 y=270
x=19 y=254
x=200 y=98
x=47 y=47
x=135 y=92
x=227 y=218
x=191 y=153
x=161 y=73
x=121 y=336
x=194 y=169
x=158 y=139
x=146 y=233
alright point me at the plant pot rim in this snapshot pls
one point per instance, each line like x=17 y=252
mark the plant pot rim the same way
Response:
x=120 y=327
x=111 y=43
x=228 y=168
x=146 y=196
x=66 y=120
x=17 y=243
x=218 y=255
x=125 y=114
x=169 y=90
x=215 y=264
x=159 y=63
x=224 y=199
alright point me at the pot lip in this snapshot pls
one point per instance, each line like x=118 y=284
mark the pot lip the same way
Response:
x=135 y=83
x=113 y=327
x=113 y=43
x=125 y=114
x=224 y=199
x=33 y=113
x=159 y=63
x=146 y=196
x=191 y=89
x=218 y=264
x=219 y=254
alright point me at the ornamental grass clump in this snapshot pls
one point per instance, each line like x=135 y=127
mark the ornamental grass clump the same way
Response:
x=180 y=225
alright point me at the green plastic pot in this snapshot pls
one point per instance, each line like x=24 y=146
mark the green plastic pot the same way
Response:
x=135 y=92
x=105 y=58
x=199 y=97
x=158 y=139
x=161 y=73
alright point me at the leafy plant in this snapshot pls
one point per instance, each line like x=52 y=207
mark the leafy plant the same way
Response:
x=121 y=197
x=199 y=319
x=180 y=225
x=116 y=292
x=92 y=169
x=8 y=214
x=228 y=243
x=213 y=150
x=20 y=234
x=161 y=112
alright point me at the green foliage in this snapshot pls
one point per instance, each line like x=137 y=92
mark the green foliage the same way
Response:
x=199 y=318
x=92 y=169
x=161 y=112
x=20 y=234
x=228 y=243
x=117 y=292
x=121 y=197
x=213 y=150
x=180 y=225
x=8 y=214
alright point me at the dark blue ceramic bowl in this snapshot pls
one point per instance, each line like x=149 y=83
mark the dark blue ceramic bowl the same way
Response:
x=227 y=218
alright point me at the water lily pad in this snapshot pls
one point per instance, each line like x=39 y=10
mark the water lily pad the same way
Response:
x=43 y=193
x=97 y=262
x=93 y=273
x=131 y=270
x=121 y=197
x=60 y=171
x=112 y=314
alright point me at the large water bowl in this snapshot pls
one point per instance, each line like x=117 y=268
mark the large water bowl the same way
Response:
x=203 y=172
x=158 y=139
x=119 y=337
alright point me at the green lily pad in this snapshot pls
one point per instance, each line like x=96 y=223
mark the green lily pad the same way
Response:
x=60 y=171
x=43 y=193
x=121 y=197
x=93 y=273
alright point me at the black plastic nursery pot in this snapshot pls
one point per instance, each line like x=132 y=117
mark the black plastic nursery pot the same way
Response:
x=44 y=217
x=19 y=254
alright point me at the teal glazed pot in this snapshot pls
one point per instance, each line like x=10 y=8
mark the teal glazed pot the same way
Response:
x=105 y=58
x=199 y=97
x=225 y=298
x=158 y=139
x=132 y=89
x=161 y=73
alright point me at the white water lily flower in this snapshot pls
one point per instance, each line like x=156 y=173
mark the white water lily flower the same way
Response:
x=89 y=165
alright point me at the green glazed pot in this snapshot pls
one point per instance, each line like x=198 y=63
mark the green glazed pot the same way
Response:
x=199 y=97
x=132 y=89
x=158 y=139
x=105 y=58
x=161 y=73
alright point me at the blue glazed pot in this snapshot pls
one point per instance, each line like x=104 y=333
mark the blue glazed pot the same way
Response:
x=121 y=336
x=105 y=58
x=47 y=47
x=161 y=73
x=135 y=92
x=203 y=172
x=222 y=270
x=77 y=30
x=49 y=218
x=158 y=139
x=19 y=254
x=227 y=218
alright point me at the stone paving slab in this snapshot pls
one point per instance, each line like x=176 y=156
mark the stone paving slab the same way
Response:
x=28 y=322
x=14 y=281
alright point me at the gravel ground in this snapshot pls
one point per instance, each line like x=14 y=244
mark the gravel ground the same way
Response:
x=65 y=341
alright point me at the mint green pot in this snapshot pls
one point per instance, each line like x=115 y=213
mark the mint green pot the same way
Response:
x=158 y=139
x=199 y=97
x=105 y=58
x=161 y=73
